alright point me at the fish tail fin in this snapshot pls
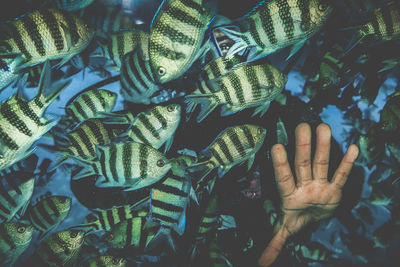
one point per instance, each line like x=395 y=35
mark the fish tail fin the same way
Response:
x=162 y=235
x=360 y=33
x=207 y=102
x=44 y=83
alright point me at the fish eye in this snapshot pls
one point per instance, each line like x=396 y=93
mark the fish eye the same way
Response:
x=110 y=94
x=160 y=163
x=73 y=234
x=260 y=131
x=322 y=6
x=161 y=71
x=170 y=108
x=21 y=229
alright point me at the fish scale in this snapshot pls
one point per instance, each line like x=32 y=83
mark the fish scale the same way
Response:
x=43 y=35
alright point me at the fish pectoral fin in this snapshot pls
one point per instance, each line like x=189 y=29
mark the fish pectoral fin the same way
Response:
x=262 y=109
x=227 y=110
x=250 y=162
x=295 y=48
x=168 y=143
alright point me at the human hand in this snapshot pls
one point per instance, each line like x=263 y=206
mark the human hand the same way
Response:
x=313 y=197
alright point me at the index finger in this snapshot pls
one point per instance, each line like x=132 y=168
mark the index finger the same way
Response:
x=283 y=173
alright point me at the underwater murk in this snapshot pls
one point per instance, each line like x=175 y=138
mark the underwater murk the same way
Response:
x=143 y=133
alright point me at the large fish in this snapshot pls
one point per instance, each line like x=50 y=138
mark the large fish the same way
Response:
x=59 y=249
x=127 y=164
x=232 y=146
x=246 y=85
x=15 y=238
x=22 y=122
x=46 y=34
x=137 y=79
x=16 y=190
x=176 y=35
x=49 y=212
x=276 y=24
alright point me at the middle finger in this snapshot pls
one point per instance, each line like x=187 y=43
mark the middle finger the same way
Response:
x=302 y=160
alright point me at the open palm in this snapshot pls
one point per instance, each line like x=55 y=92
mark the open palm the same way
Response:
x=313 y=197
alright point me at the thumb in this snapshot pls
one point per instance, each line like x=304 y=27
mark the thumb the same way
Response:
x=274 y=247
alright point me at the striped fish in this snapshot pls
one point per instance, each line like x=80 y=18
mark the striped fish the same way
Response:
x=27 y=165
x=275 y=24
x=49 y=212
x=108 y=20
x=90 y=104
x=216 y=255
x=234 y=145
x=214 y=69
x=16 y=190
x=15 y=238
x=8 y=65
x=121 y=43
x=59 y=249
x=47 y=34
x=105 y=261
x=156 y=126
x=127 y=164
x=209 y=221
x=246 y=85
x=106 y=219
x=177 y=32
x=82 y=140
x=131 y=233
x=22 y=122
x=383 y=25
x=72 y=5
x=137 y=79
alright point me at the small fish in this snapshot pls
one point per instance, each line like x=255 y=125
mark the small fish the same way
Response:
x=59 y=249
x=311 y=252
x=246 y=85
x=137 y=79
x=8 y=67
x=82 y=140
x=131 y=233
x=49 y=212
x=106 y=219
x=273 y=25
x=176 y=36
x=72 y=5
x=127 y=164
x=15 y=238
x=209 y=220
x=121 y=43
x=214 y=69
x=90 y=104
x=216 y=255
x=46 y=34
x=234 y=145
x=383 y=25
x=22 y=122
x=105 y=261
x=156 y=126
x=16 y=190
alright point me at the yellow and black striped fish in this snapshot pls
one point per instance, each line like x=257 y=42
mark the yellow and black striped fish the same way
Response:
x=121 y=43
x=234 y=145
x=16 y=190
x=8 y=67
x=127 y=164
x=246 y=85
x=176 y=35
x=216 y=255
x=22 y=122
x=90 y=104
x=209 y=221
x=49 y=212
x=131 y=233
x=156 y=126
x=137 y=79
x=46 y=34
x=82 y=140
x=276 y=24
x=15 y=238
x=383 y=25
x=105 y=261
x=214 y=69
x=106 y=219
x=59 y=249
